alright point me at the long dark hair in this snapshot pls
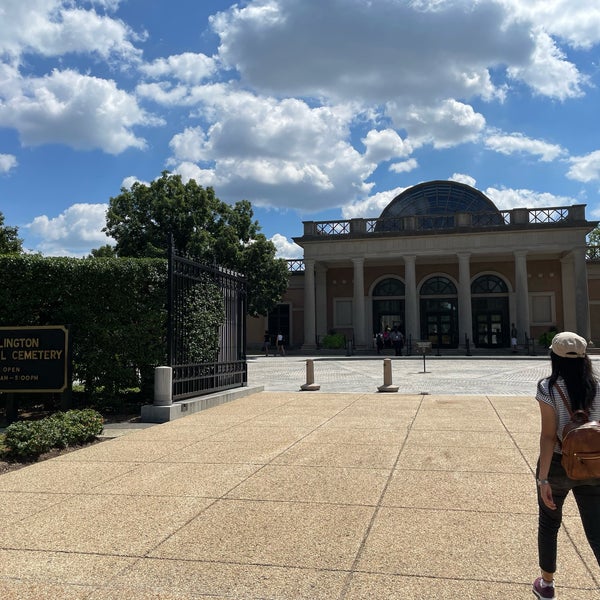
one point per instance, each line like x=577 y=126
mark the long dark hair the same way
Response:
x=578 y=375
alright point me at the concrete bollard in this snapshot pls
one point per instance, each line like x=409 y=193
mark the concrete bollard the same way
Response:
x=163 y=386
x=310 y=385
x=387 y=377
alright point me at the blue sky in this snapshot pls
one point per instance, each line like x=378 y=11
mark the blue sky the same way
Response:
x=310 y=109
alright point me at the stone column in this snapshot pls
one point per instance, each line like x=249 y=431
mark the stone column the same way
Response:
x=522 y=294
x=358 y=303
x=568 y=293
x=410 y=298
x=465 y=314
x=321 y=300
x=582 y=303
x=309 y=305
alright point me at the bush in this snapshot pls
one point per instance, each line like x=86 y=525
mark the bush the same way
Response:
x=26 y=440
x=546 y=338
x=334 y=341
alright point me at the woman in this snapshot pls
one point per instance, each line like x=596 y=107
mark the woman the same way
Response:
x=572 y=372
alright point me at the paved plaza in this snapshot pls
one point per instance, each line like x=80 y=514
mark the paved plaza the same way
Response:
x=339 y=494
x=436 y=375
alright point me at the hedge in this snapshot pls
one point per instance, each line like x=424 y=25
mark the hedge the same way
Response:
x=117 y=313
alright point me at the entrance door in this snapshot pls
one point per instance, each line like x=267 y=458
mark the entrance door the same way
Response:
x=388 y=314
x=279 y=322
x=439 y=323
x=491 y=322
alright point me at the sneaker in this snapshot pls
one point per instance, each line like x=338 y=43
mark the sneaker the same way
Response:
x=544 y=593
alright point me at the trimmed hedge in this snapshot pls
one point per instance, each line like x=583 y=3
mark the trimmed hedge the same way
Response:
x=27 y=440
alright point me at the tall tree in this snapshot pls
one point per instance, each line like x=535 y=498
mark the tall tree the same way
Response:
x=142 y=218
x=10 y=243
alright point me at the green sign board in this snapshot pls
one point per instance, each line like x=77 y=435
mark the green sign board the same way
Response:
x=34 y=359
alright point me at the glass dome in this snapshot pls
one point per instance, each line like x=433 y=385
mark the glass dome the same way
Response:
x=440 y=200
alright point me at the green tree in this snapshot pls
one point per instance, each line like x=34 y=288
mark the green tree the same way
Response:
x=141 y=219
x=594 y=237
x=106 y=251
x=10 y=243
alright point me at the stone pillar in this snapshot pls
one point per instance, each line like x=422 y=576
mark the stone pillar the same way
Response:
x=582 y=304
x=465 y=314
x=410 y=298
x=568 y=293
x=163 y=386
x=358 y=303
x=309 y=305
x=321 y=300
x=522 y=294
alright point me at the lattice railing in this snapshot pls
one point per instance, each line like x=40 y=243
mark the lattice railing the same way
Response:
x=295 y=265
x=332 y=227
x=592 y=253
x=548 y=215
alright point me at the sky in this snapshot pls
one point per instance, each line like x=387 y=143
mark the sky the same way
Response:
x=312 y=110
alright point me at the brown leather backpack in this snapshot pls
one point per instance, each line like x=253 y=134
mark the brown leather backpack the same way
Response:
x=580 y=444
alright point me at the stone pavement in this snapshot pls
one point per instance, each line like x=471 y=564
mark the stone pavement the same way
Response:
x=343 y=494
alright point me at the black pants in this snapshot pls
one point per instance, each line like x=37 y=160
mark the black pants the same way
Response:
x=587 y=496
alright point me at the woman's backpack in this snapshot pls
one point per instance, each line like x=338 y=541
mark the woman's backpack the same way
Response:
x=580 y=444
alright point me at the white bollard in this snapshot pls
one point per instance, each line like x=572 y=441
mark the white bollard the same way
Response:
x=387 y=377
x=310 y=385
x=163 y=386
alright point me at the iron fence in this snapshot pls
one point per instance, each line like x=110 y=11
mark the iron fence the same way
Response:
x=206 y=356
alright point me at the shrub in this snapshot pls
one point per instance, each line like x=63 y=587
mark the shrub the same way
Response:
x=546 y=338
x=334 y=341
x=26 y=440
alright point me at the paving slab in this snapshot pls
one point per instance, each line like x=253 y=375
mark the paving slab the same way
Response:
x=340 y=494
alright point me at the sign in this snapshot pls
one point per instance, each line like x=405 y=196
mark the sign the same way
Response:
x=34 y=359
x=423 y=347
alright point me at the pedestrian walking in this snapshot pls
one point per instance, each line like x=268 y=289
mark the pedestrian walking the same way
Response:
x=267 y=343
x=279 y=344
x=572 y=374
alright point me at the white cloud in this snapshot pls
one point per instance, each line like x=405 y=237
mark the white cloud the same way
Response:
x=462 y=178
x=585 y=168
x=7 y=162
x=56 y=27
x=385 y=145
x=286 y=248
x=72 y=233
x=577 y=23
x=404 y=167
x=187 y=67
x=548 y=73
x=80 y=111
x=358 y=51
x=446 y=125
x=129 y=181
x=506 y=198
x=277 y=152
x=517 y=143
x=372 y=206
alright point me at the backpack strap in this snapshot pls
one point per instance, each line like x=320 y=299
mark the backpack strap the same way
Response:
x=564 y=399
x=568 y=406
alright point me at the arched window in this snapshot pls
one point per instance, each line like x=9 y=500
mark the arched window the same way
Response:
x=389 y=287
x=489 y=284
x=438 y=286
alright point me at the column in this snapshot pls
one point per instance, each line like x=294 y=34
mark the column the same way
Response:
x=522 y=294
x=358 y=303
x=465 y=314
x=321 y=300
x=582 y=302
x=410 y=297
x=309 y=305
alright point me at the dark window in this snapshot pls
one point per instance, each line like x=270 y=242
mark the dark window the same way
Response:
x=489 y=284
x=438 y=286
x=389 y=287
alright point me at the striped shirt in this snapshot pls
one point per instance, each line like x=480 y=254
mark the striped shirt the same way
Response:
x=555 y=400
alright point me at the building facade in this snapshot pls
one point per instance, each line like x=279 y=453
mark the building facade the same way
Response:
x=442 y=263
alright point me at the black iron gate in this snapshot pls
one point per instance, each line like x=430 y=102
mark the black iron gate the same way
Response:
x=205 y=357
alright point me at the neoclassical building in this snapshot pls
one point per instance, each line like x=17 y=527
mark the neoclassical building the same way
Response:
x=444 y=264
